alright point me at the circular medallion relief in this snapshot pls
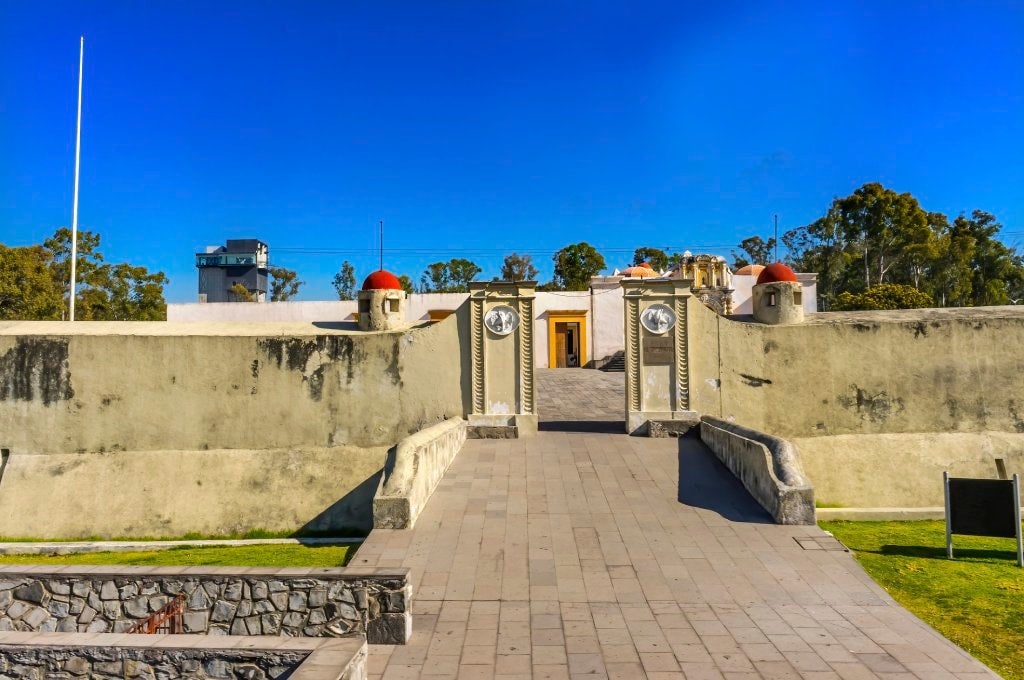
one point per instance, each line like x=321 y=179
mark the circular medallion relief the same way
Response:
x=658 y=319
x=501 y=320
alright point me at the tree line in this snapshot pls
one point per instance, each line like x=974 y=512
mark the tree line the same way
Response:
x=34 y=283
x=873 y=249
x=879 y=249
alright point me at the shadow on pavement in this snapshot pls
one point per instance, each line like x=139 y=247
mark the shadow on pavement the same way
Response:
x=705 y=483
x=593 y=426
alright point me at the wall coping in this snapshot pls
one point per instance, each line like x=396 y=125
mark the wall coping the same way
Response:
x=92 y=571
x=777 y=482
x=413 y=472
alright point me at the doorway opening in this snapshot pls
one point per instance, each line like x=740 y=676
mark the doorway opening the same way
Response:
x=567 y=339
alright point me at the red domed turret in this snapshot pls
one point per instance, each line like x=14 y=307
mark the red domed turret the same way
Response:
x=382 y=280
x=776 y=272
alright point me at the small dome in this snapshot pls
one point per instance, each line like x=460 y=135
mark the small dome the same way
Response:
x=750 y=270
x=776 y=272
x=639 y=271
x=382 y=280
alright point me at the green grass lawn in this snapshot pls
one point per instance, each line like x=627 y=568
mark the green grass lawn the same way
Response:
x=976 y=600
x=191 y=556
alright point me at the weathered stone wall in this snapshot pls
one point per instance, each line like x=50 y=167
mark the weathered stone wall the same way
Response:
x=879 y=403
x=159 y=429
x=95 y=387
x=219 y=601
x=172 y=493
x=168 y=657
x=95 y=663
x=934 y=370
x=902 y=470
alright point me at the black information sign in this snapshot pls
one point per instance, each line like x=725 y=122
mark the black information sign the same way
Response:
x=983 y=507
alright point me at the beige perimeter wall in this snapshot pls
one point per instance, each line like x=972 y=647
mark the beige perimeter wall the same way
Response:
x=164 y=428
x=909 y=375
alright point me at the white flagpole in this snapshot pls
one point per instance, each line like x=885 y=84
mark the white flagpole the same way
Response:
x=74 y=211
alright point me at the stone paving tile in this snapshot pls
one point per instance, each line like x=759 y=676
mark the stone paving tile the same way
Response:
x=584 y=553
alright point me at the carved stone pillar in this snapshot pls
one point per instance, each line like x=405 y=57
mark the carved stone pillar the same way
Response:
x=501 y=328
x=657 y=352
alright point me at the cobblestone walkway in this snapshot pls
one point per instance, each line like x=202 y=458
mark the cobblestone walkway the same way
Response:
x=597 y=555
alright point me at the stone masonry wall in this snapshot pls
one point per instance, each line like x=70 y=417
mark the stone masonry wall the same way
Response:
x=108 y=663
x=219 y=601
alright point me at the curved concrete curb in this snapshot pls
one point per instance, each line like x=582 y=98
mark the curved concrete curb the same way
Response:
x=768 y=466
x=413 y=471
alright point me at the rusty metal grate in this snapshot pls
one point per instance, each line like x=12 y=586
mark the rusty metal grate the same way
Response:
x=167 y=619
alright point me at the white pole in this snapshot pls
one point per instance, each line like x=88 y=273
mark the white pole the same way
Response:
x=74 y=211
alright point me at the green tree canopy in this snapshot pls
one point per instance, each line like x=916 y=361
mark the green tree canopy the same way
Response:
x=28 y=287
x=755 y=251
x=344 y=281
x=656 y=257
x=518 y=267
x=104 y=292
x=575 y=265
x=877 y=236
x=453 y=276
x=884 y=296
x=462 y=272
x=406 y=284
x=241 y=293
x=284 y=284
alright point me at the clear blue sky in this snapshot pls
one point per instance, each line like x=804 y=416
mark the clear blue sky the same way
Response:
x=475 y=129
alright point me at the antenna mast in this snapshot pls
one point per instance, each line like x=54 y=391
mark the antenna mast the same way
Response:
x=776 y=237
x=382 y=245
x=74 y=210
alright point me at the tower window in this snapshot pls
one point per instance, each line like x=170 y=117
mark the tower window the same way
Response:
x=771 y=299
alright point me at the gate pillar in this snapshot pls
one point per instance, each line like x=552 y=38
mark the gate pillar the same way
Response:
x=501 y=331
x=657 y=352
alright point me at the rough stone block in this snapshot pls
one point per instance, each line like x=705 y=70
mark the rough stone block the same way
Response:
x=59 y=587
x=137 y=607
x=195 y=622
x=297 y=602
x=317 y=597
x=223 y=611
x=76 y=665
x=271 y=624
x=17 y=610
x=34 y=592
x=128 y=591
x=233 y=591
x=388 y=629
x=108 y=591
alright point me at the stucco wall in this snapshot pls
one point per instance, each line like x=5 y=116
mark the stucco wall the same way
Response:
x=878 y=403
x=864 y=373
x=168 y=428
x=175 y=492
x=902 y=470
x=107 y=386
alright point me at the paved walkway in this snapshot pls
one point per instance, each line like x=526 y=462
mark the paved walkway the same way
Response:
x=579 y=554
